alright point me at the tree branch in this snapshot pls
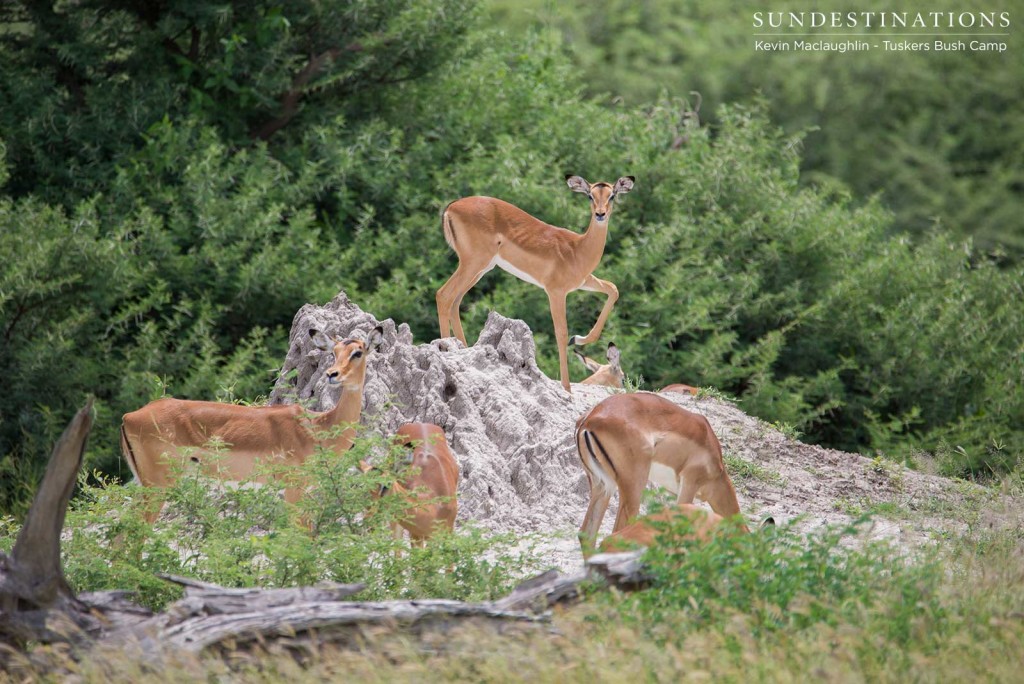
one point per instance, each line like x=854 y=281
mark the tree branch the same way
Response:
x=290 y=100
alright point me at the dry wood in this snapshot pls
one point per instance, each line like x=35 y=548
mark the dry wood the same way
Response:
x=36 y=603
x=33 y=591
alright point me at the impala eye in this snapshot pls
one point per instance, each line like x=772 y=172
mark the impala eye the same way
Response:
x=356 y=354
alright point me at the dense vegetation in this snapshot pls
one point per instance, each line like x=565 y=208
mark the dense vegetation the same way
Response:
x=776 y=605
x=178 y=178
x=241 y=535
x=938 y=134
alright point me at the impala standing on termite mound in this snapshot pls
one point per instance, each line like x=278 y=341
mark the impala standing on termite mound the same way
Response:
x=228 y=440
x=486 y=232
x=630 y=438
x=431 y=484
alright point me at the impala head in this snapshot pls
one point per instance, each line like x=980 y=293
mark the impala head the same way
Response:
x=609 y=374
x=349 y=355
x=601 y=195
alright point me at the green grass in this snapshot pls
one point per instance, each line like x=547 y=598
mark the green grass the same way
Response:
x=740 y=469
x=771 y=607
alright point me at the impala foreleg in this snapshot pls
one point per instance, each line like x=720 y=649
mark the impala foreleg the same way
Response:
x=592 y=284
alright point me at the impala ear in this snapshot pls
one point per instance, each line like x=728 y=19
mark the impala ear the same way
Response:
x=375 y=337
x=578 y=184
x=321 y=341
x=767 y=522
x=590 y=364
x=613 y=354
x=623 y=185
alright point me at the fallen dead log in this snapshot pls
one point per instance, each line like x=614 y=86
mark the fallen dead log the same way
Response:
x=36 y=603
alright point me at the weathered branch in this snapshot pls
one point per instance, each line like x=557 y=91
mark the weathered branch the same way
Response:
x=31 y=578
x=36 y=553
x=290 y=99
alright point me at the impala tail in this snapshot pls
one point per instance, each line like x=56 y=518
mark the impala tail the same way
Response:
x=129 y=454
x=446 y=226
x=596 y=461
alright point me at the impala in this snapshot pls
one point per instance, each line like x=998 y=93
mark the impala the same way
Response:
x=641 y=532
x=681 y=389
x=431 y=484
x=486 y=232
x=608 y=374
x=629 y=438
x=228 y=441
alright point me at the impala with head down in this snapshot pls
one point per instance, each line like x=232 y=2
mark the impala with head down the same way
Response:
x=486 y=232
x=630 y=438
x=642 y=532
x=228 y=441
x=430 y=484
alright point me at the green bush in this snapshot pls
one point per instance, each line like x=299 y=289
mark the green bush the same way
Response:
x=168 y=256
x=246 y=536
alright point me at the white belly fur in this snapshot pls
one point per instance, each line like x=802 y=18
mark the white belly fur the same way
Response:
x=505 y=266
x=663 y=476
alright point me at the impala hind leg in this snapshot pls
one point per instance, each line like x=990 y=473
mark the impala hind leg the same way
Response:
x=631 y=493
x=592 y=284
x=600 y=496
x=556 y=300
x=449 y=296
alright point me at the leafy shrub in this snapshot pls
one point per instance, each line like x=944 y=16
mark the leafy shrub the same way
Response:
x=776 y=579
x=246 y=535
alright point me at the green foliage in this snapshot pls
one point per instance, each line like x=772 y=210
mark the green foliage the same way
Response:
x=938 y=135
x=244 y=535
x=152 y=243
x=778 y=580
x=84 y=82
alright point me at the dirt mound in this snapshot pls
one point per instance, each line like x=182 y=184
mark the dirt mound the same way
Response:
x=509 y=425
x=511 y=429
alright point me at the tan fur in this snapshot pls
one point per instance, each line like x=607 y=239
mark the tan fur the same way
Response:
x=431 y=486
x=623 y=436
x=680 y=388
x=607 y=375
x=164 y=436
x=640 y=532
x=486 y=232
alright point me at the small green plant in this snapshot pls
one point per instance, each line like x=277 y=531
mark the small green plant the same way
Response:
x=778 y=579
x=632 y=383
x=742 y=469
x=788 y=431
x=891 y=470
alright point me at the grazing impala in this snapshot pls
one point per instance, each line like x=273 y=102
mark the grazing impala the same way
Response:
x=228 y=440
x=630 y=438
x=640 y=532
x=609 y=374
x=487 y=232
x=431 y=484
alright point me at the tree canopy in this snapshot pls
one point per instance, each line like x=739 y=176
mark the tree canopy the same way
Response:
x=178 y=178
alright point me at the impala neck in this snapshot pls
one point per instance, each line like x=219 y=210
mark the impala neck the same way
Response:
x=593 y=240
x=345 y=412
